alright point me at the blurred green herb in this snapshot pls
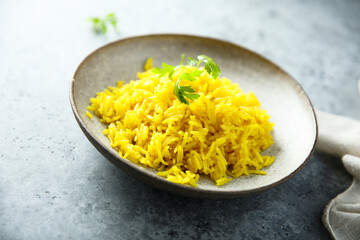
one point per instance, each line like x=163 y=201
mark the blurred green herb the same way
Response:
x=100 y=25
x=166 y=69
x=185 y=93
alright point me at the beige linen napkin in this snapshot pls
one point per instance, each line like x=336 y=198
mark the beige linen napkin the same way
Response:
x=340 y=136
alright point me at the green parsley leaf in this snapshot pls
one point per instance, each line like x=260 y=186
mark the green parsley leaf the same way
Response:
x=166 y=69
x=183 y=92
x=191 y=76
x=111 y=18
x=210 y=66
x=100 y=24
x=192 y=61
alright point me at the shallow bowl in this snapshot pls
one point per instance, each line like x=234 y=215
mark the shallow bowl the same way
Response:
x=295 y=131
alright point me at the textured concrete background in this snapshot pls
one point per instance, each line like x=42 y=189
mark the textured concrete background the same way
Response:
x=55 y=185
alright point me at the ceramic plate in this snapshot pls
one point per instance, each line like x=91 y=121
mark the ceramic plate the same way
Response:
x=295 y=130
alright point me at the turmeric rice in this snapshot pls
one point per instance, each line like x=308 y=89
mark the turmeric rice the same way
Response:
x=220 y=134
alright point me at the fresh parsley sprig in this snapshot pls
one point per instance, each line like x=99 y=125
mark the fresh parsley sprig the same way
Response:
x=185 y=93
x=210 y=66
x=100 y=24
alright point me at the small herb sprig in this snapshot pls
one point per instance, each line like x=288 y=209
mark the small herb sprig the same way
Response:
x=100 y=24
x=186 y=93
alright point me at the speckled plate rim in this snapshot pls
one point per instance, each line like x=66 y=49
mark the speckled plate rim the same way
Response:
x=145 y=176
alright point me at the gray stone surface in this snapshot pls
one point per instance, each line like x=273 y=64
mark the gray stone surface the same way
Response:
x=55 y=185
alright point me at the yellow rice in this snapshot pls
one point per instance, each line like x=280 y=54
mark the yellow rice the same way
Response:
x=89 y=114
x=221 y=134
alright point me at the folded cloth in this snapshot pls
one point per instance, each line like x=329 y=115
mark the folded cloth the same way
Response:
x=342 y=215
x=340 y=136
